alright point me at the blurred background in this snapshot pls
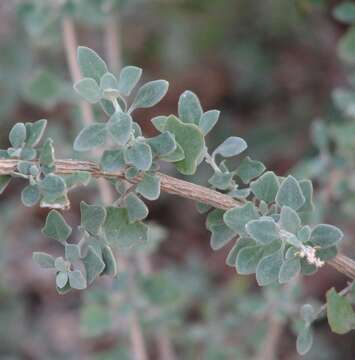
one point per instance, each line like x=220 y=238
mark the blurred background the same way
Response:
x=272 y=67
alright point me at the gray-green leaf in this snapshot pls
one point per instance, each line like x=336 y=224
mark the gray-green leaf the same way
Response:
x=266 y=187
x=92 y=217
x=112 y=160
x=290 y=194
x=249 y=169
x=304 y=340
x=149 y=186
x=238 y=217
x=263 y=231
x=90 y=137
x=90 y=63
x=35 y=132
x=139 y=155
x=30 y=195
x=77 y=280
x=150 y=94
x=136 y=208
x=120 y=127
x=43 y=259
x=94 y=264
x=56 y=228
x=325 y=235
x=189 y=108
x=88 y=89
x=248 y=259
x=18 y=135
x=232 y=146
x=267 y=271
x=129 y=77
x=208 y=121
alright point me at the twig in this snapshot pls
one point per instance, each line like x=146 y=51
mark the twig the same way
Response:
x=173 y=186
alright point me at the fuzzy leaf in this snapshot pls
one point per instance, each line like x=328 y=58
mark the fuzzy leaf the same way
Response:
x=56 y=228
x=88 y=89
x=90 y=63
x=92 y=217
x=150 y=94
x=238 y=217
x=267 y=271
x=163 y=144
x=149 y=186
x=221 y=235
x=248 y=259
x=17 y=135
x=159 y=122
x=307 y=190
x=90 y=137
x=61 y=279
x=191 y=140
x=30 y=195
x=46 y=157
x=289 y=220
x=208 y=121
x=120 y=127
x=110 y=261
x=112 y=160
x=94 y=265
x=129 y=77
x=304 y=234
x=304 y=340
x=43 y=259
x=221 y=181
x=77 y=280
x=189 y=108
x=72 y=252
x=341 y=316
x=108 y=81
x=290 y=268
x=233 y=253
x=136 y=208
x=290 y=194
x=120 y=232
x=139 y=155
x=307 y=313
x=249 y=169
x=325 y=235
x=265 y=188
x=35 y=132
x=52 y=185
x=232 y=146
x=263 y=231
x=78 y=178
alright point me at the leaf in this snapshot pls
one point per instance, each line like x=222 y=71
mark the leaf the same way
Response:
x=77 y=280
x=263 y=231
x=136 y=208
x=191 y=140
x=90 y=63
x=307 y=313
x=139 y=155
x=265 y=188
x=249 y=169
x=248 y=259
x=267 y=271
x=290 y=194
x=120 y=127
x=341 y=316
x=61 y=265
x=304 y=340
x=110 y=261
x=4 y=182
x=46 y=157
x=289 y=220
x=118 y=230
x=238 y=217
x=56 y=228
x=159 y=122
x=90 y=137
x=17 y=135
x=92 y=217
x=77 y=178
x=221 y=181
x=30 y=195
x=43 y=259
x=129 y=77
x=325 y=235
x=35 y=132
x=149 y=186
x=61 y=279
x=221 y=235
x=163 y=144
x=232 y=146
x=307 y=190
x=112 y=160
x=88 y=89
x=240 y=244
x=304 y=234
x=345 y=12
x=290 y=268
x=72 y=252
x=108 y=81
x=208 y=121
x=94 y=265
x=150 y=94
x=189 y=108
x=52 y=185
x=346 y=46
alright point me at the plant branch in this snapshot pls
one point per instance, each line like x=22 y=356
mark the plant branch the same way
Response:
x=173 y=186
